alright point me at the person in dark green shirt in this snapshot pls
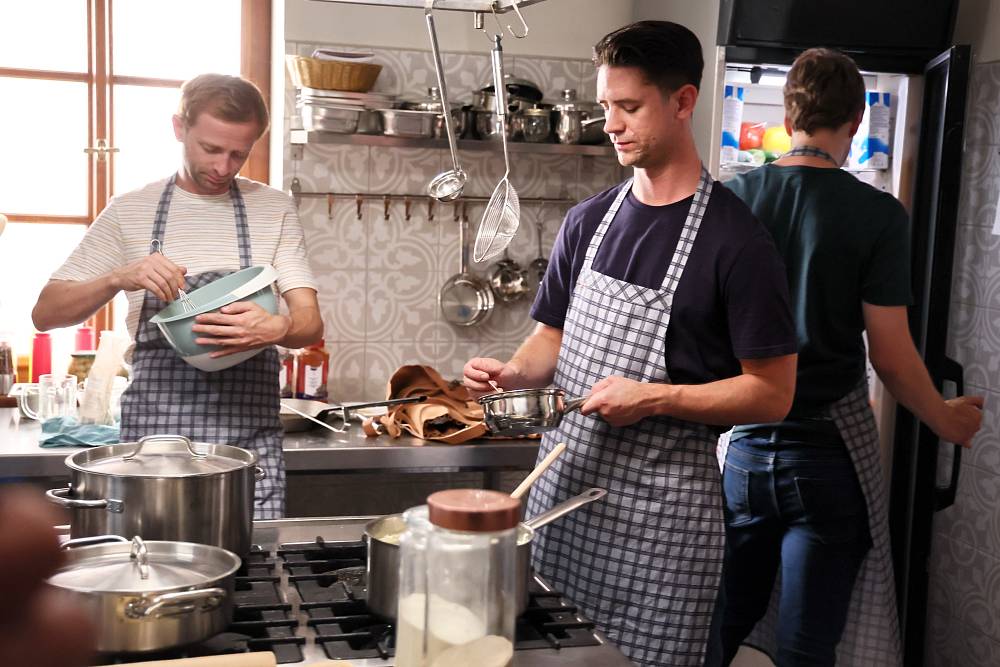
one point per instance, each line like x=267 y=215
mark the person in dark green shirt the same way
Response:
x=805 y=496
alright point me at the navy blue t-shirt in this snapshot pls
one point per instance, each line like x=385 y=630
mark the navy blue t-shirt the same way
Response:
x=732 y=300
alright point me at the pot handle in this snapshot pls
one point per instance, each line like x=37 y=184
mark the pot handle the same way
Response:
x=58 y=496
x=162 y=436
x=173 y=604
x=572 y=404
x=259 y=473
x=96 y=539
x=565 y=507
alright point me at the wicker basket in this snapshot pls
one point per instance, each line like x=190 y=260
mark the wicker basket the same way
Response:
x=332 y=74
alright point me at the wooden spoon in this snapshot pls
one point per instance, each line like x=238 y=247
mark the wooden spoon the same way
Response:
x=523 y=487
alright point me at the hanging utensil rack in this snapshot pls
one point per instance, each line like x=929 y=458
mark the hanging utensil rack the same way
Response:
x=480 y=6
x=410 y=202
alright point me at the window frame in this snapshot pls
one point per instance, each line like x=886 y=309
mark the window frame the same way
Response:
x=255 y=65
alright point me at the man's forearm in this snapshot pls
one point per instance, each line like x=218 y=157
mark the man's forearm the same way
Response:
x=744 y=399
x=535 y=360
x=907 y=379
x=305 y=328
x=63 y=303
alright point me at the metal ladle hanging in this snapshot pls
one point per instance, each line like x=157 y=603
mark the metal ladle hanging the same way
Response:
x=448 y=185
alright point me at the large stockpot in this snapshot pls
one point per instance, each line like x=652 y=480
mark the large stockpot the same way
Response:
x=382 y=536
x=163 y=487
x=150 y=595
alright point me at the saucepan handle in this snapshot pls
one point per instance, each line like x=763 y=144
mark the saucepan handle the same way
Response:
x=571 y=404
x=565 y=507
x=58 y=496
x=172 y=604
x=95 y=539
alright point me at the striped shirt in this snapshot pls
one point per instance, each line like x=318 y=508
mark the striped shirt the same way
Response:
x=200 y=235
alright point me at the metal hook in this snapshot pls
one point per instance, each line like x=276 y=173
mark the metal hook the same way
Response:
x=465 y=211
x=386 y=207
x=480 y=25
x=296 y=188
x=430 y=209
x=524 y=23
x=454 y=210
x=406 y=208
x=359 y=199
x=329 y=206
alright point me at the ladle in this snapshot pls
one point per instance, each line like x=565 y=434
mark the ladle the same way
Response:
x=448 y=185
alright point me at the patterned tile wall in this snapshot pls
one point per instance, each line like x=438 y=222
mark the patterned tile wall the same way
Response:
x=379 y=276
x=964 y=608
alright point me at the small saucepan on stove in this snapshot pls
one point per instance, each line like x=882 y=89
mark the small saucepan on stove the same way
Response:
x=527 y=411
x=382 y=536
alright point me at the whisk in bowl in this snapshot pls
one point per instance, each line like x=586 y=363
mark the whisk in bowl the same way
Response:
x=187 y=305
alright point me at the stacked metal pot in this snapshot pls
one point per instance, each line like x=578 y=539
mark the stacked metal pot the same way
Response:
x=180 y=515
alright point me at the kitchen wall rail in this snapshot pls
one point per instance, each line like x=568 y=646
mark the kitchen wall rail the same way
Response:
x=410 y=202
x=304 y=138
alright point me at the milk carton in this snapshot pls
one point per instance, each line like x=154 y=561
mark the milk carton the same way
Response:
x=870 y=146
x=732 y=118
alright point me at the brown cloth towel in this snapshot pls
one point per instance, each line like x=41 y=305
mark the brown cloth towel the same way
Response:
x=449 y=414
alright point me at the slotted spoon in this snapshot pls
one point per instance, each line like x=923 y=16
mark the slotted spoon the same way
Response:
x=503 y=212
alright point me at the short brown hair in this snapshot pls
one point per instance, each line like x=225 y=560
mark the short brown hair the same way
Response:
x=824 y=89
x=229 y=98
x=667 y=54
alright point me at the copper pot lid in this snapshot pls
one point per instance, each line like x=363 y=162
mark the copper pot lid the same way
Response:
x=474 y=510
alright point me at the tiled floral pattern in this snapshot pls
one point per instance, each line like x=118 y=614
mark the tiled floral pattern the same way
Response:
x=380 y=274
x=963 y=623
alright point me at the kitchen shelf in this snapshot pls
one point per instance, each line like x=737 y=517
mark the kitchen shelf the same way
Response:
x=303 y=137
x=498 y=6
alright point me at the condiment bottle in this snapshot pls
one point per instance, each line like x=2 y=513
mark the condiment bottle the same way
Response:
x=469 y=608
x=312 y=367
x=41 y=355
x=286 y=373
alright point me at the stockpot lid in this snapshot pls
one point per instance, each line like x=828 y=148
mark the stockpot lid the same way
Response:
x=161 y=456
x=137 y=566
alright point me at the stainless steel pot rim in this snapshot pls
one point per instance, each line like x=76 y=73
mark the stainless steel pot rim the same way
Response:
x=517 y=393
x=189 y=559
x=111 y=461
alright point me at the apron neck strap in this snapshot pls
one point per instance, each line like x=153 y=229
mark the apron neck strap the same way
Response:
x=239 y=212
x=811 y=151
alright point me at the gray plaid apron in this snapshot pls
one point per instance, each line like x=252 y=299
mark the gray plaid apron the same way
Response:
x=645 y=562
x=871 y=636
x=235 y=406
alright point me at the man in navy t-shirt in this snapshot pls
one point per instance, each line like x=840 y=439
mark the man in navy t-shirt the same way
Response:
x=666 y=303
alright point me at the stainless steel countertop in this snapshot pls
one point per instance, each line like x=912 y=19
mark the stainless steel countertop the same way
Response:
x=317 y=450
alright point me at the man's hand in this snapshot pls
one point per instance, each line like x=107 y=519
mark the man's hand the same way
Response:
x=620 y=402
x=153 y=272
x=962 y=419
x=240 y=326
x=479 y=371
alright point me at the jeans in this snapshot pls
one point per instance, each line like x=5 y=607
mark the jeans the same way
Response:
x=797 y=506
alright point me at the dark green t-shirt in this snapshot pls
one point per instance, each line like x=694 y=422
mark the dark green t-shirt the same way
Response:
x=843 y=242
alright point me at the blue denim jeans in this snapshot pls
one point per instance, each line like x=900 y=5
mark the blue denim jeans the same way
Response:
x=799 y=507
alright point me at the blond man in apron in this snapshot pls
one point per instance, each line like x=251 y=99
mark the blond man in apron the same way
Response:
x=635 y=311
x=805 y=497
x=182 y=232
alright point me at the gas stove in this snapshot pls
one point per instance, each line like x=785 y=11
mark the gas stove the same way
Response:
x=301 y=594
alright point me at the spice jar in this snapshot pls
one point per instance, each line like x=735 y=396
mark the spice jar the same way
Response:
x=311 y=369
x=469 y=602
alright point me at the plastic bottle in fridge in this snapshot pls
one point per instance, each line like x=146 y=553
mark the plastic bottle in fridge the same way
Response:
x=732 y=118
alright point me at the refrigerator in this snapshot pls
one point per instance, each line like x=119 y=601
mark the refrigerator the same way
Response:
x=927 y=114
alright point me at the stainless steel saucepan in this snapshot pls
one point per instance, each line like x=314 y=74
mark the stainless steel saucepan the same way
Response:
x=383 y=534
x=527 y=411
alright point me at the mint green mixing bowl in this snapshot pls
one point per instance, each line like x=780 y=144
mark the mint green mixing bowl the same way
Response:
x=252 y=284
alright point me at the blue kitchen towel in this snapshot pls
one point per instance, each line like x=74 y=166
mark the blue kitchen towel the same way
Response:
x=69 y=432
